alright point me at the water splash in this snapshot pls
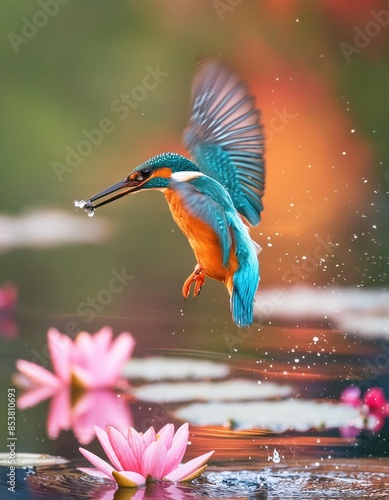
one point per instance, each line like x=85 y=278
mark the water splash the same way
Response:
x=276 y=457
x=303 y=480
x=86 y=205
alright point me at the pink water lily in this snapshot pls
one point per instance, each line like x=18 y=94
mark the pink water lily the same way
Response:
x=373 y=407
x=141 y=457
x=88 y=361
x=8 y=296
x=79 y=411
x=8 y=299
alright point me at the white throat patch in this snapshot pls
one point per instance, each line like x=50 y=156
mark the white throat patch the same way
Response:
x=185 y=176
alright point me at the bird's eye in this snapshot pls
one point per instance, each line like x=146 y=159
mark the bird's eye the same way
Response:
x=145 y=172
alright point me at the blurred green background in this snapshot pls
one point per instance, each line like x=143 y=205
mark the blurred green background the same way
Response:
x=325 y=106
x=320 y=75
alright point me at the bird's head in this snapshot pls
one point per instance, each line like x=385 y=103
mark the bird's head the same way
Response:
x=155 y=173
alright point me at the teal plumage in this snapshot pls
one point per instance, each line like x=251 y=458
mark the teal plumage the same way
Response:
x=225 y=136
x=205 y=198
x=209 y=195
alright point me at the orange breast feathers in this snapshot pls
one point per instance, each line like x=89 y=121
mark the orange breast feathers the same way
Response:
x=203 y=240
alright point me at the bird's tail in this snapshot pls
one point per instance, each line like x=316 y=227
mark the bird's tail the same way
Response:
x=243 y=284
x=242 y=300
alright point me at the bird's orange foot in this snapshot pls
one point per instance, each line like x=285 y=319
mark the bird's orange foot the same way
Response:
x=198 y=279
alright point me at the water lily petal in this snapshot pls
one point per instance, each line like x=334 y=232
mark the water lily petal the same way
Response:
x=34 y=396
x=98 y=407
x=165 y=435
x=351 y=395
x=190 y=469
x=59 y=416
x=60 y=348
x=374 y=398
x=84 y=354
x=102 y=340
x=122 y=450
x=154 y=460
x=8 y=296
x=128 y=479
x=350 y=431
x=94 y=472
x=177 y=448
x=101 y=465
x=149 y=436
x=164 y=428
x=194 y=475
x=37 y=374
x=137 y=444
x=106 y=445
x=117 y=356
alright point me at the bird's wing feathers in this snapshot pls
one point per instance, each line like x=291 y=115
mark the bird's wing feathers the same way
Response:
x=204 y=201
x=225 y=137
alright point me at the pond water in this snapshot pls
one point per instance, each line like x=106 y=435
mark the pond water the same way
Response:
x=79 y=113
x=296 y=479
x=266 y=399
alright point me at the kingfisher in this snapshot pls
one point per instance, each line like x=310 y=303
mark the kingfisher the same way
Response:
x=214 y=195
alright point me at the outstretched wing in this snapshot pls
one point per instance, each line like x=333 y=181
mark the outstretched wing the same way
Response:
x=225 y=137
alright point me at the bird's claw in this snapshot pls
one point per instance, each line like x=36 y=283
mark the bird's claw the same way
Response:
x=198 y=279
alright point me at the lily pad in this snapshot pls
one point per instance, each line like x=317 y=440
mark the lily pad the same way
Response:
x=368 y=325
x=44 y=228
x=230 y=390
x=276 y=416
x=162 y=368
x=353 y=310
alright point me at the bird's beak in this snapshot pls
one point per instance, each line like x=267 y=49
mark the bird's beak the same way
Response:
x=122 y=188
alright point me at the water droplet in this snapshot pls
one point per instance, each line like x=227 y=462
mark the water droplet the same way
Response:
x=276 y=457
x=86 y=205
x=79 y=204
